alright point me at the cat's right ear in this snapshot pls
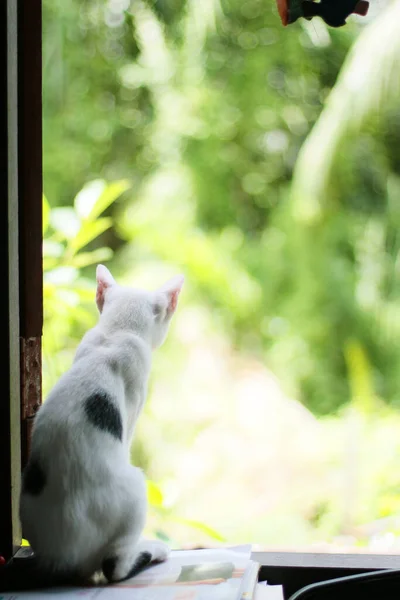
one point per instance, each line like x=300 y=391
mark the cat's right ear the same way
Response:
x=104 y=281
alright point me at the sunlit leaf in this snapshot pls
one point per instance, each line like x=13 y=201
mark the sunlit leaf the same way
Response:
x=107 y=197
x=52 y=248
x=46 y=214
x=162 y=535
x=69 y=297
x=88 y=196
x=154 y=494
x=49 y=290
x=61 y=276
x=86 y=294
x=83 y=259
x=89 y=231
x=65 y=221
x=49 y=263
x=212 y=533
x=360 y=376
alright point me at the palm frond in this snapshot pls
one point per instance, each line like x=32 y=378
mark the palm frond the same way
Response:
x=368 y=84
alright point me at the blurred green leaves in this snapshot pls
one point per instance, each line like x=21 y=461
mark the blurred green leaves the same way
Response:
x=263 y=164
x=154 y=494
x=69 y=234
x=226 y=122
x=68 y=230
x=168 y=515
x=96 y=196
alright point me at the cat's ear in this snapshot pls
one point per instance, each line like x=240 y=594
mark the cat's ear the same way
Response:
x=104 y=281
x=172 y=290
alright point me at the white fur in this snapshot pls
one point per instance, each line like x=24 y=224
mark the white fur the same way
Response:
x=93 y=505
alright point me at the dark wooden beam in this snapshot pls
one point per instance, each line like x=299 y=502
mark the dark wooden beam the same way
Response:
x=21 y=316
x=30 y=213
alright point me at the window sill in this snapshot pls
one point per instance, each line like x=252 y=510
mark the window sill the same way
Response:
x=294 y=570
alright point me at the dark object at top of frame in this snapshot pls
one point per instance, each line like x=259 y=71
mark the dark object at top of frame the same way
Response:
x=333 y=12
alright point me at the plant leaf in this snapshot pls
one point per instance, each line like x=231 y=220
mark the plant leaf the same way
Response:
x=360 y=376
x=83 y=259
x=107 y=197
x=87 y=197
x=61 y=275
x=368 y=82
x=52 y=248
x=50 y=263
x=212 y=533
x=89 y=231
x=154 y=494
x=162 y=535
x=46 y=214
x=65 y=221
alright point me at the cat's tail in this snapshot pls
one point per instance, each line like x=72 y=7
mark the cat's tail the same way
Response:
x=22 y=574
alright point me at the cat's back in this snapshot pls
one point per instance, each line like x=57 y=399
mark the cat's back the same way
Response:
x=83 y=401
x=76 y=444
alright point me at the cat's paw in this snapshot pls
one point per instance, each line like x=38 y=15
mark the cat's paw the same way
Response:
x=159 y=550
x=129 y=561
x=119 y=568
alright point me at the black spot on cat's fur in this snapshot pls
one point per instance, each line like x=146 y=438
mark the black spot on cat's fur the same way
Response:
x=109 y=564
x=114 y=365
x=34 y=478
x=142 y=561
x=102 y=413
x=108 y=567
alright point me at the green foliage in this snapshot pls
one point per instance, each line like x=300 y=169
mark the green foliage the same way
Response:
x=69 y=234
x=160 y=515
x=265 y=165
x=350 y=203
x=206 y=116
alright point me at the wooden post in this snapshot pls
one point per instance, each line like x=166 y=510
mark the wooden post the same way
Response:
x=21 y=316
x=30 y=213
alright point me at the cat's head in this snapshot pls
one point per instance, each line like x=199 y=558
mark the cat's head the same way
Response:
x=147 y=313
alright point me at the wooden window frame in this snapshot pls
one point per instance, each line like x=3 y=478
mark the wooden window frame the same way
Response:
x=21 y=249
x=295 y=570
x=21 y=318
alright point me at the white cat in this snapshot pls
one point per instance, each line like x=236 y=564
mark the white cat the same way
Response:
x=83 y=505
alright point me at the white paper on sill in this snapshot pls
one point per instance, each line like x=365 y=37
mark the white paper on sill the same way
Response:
x=268 y=592
x=158 y=580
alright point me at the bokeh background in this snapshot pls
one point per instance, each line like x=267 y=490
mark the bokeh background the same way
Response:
x=263 y=162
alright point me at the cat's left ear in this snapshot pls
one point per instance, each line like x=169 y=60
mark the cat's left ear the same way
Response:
x=172 y=290
x=104 y=281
